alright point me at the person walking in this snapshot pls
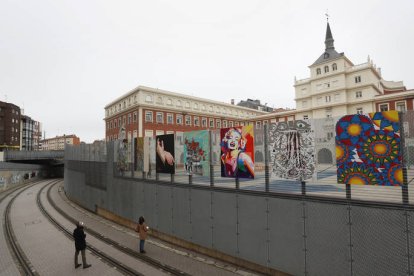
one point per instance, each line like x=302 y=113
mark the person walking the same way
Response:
x=80 y=244
x=142 y=230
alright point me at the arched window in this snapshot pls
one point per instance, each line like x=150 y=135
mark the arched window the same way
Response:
x=318 y=71
x=334 y=67
x=326 y=69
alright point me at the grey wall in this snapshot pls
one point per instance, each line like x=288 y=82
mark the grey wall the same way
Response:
x=291 y=234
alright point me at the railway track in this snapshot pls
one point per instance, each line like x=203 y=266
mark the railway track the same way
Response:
x=22 y=262
x=150 y=261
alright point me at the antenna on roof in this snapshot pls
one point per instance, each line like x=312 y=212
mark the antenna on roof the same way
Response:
x=327 y=15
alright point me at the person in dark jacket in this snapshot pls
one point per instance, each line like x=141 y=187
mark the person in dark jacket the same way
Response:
x=80 y=244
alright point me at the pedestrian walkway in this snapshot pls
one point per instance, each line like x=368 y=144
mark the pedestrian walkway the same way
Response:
x=187 y=261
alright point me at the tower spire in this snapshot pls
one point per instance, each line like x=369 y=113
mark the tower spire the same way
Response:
x=329 y=41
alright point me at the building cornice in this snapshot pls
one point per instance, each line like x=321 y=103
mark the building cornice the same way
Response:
x=182 y=96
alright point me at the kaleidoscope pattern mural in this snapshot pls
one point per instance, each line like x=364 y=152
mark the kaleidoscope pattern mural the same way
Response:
x=291 y=146
x=368 y=149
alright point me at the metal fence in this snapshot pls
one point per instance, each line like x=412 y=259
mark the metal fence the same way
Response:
x=311 y=227
x=323 y=182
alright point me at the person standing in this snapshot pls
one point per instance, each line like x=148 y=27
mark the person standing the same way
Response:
x=142 y=230
x=80 y=244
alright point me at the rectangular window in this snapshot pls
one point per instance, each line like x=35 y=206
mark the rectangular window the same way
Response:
x=169 y=118
x=327 y=99
x=305 y=117
x=329 y=135
x=119 y=122
x=400 y=106
x=148 y=116
x=179 y=119
x=204 y=122
x=224 y=123
x=135 y=117
x=149 y=133
x=258 y=125
x=160 y=118
x=188 y=120
x=236 y=124
x=129 y=119
x=218 y=124
x=358 y=94
x=196 y=121
x=357 y=79
x=383 y=107
x=231 y=124
x=211 y=123
x=359 y=110
x=124 y=120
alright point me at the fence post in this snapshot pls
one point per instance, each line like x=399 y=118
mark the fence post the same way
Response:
x=303 y=186
x=211 y=159
x=404 y=187
x=266 y=157
x=348 y=191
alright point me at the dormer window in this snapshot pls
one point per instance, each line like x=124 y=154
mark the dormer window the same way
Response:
x=326 y=69
x=318 y=71
x=334 y=67
x=326 y=55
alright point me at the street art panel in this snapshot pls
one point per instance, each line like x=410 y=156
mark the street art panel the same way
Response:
x=165 y=160
x=368 y=149
x=197 y=152
x=139 y=154
x=237 y=152
x=292 y=150
x=122 y=151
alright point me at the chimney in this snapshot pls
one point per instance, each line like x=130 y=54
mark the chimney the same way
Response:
x=232 y=101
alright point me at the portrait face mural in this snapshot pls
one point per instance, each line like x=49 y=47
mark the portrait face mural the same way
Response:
x=291 y=146
x=368 y=149
x=196 y=152
x=237 y=152
x=164 y=147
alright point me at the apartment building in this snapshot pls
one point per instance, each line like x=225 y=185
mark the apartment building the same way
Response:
x=59 y=142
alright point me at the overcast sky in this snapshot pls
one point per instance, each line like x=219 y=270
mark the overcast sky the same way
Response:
x=63 y=61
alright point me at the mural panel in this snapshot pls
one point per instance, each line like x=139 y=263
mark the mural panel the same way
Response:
x=292 y=150
x=368 y=150
x=237 y=152
x=165 y=162
x=197 y=152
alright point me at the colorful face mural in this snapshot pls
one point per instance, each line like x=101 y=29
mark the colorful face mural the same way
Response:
x=291 y=146
x=196 y=152
x=237 y=152
x=368 y=149
x=165 y=162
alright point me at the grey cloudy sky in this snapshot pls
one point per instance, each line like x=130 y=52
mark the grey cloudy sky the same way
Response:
x=64 y=60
